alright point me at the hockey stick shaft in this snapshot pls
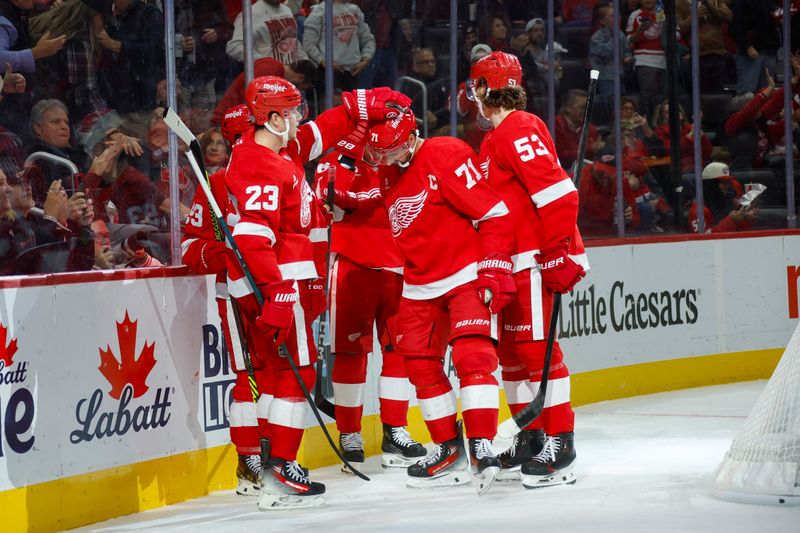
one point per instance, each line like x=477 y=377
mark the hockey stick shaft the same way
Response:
x=323 y=404
x=576 y=176
x=176 y=124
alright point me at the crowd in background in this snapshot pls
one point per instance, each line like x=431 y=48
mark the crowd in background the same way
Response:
x=84 y=173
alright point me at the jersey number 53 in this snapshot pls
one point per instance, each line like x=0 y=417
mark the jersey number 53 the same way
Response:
x=526 y=151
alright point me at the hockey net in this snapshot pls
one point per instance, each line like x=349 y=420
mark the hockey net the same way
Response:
x=763 y=463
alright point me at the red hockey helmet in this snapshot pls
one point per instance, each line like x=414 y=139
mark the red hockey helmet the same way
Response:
x=388 y=141
x=494 y=71
x=235 y=122
x=270 y=93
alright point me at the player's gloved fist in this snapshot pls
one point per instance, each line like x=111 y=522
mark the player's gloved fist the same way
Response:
x=352 y=146
x=496 y=287
x=374 y=104
x=318 y=302
x=277 y=316
x=559 y=272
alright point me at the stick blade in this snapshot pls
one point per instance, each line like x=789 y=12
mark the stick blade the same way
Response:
x=508 y=429
x=175 y=123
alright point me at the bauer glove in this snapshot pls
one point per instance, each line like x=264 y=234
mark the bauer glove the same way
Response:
x=559 y=272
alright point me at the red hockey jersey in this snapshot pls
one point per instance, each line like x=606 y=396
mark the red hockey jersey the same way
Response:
x=272 y=210
x=200 y=249
x=361 y=233
x=434 y=208
x=519 y=160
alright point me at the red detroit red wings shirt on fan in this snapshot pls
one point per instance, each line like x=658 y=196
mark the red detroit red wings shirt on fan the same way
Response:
x=273 y=212
x=362 y=234
x=519 y=161
x=434 y=208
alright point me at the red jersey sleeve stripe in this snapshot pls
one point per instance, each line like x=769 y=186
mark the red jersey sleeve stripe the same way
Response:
x=251 y=228
x=185 y=246
x=498 y=210
x=318 y=235
x=239 y=288
x=316 y=148
x=553 y=192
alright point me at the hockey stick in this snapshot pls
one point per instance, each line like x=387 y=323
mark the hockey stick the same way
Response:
x=534 y=409
x=194 y=155
x=323 y=403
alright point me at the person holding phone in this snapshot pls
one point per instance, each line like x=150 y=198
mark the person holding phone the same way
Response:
x=650 y=63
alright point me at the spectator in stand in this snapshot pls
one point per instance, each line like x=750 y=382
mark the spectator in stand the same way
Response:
x=721 y=193
x=382 y=17
x=302 y=75
x=201 y=58
x=754 y=123
x=598 y=194
x=495 y=34
x=464 y=60
x=72 y=74
x=216 y=150
x=158 y=142
x=601 y=49
x=644 y=31
x=474 y=124
x=49 y=125
x=569 y=124
x=61 y=235
x=8 y=246
x=353 y=44
x=712 y=15
x=17 y=49
x=535 y=62
x=627 y=7
x=661 y=127
x=577 y=12
x=133 y=41
x=757 y=38
x=16 y=45
x=638 y=136
x=274 y=34
x=424 y=69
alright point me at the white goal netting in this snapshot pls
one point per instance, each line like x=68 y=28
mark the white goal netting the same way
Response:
x=763 y=463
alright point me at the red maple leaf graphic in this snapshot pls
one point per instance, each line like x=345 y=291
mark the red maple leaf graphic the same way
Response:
x=128 y=370
x=7 y=351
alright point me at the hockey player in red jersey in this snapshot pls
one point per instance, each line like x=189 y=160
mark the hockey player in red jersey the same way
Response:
x=204 y=252
x=455 y=236
x=272 y=212
x=365 y=285
x=519 y=161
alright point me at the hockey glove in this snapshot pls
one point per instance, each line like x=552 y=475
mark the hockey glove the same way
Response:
x=374 y=104
x=496 y=287
x=318 y=302
x=559 y=272
x=352 y=146
x=277 y=315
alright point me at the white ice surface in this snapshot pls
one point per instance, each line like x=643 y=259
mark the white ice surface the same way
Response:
x=644 y=465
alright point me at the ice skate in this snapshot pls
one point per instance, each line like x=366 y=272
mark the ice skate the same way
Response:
x=485 y=464
x=399 y=449
x=525 y=446
x=285 y=485
x=247 y=473
x=352 y=447
x=445 y=466
x=553 y=465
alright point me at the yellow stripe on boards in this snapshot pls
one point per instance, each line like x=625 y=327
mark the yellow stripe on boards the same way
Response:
x=88 y=498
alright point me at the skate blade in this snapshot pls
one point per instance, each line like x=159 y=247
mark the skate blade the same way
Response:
x=245 y=487
x=485 y=479
x=272 y=501
x=508 y=474
x=393 y=460
x=449 y=479
x=563 y=477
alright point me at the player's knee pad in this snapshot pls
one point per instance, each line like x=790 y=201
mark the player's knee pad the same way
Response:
x=474 y=355
x=286 y=385
x=350 y=368
x=424 y=371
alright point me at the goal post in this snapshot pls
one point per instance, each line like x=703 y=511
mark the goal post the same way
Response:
x=763 y=463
